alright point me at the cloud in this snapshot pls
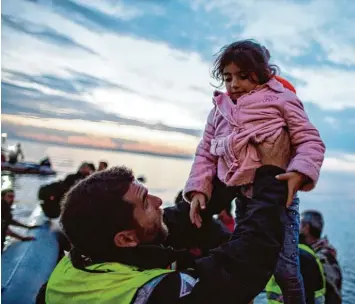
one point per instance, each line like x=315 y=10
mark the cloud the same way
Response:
x=105 y=129
x=19 y=99
x=75 y=83
x=344 y=162
x=113 y=8
x=105 y=15
x=143 y=73
x=22 y=99
x=328 y=87
x=115 y=136
x=153 y=69
x=291 y=28
x=43 y=33
x=26 y=101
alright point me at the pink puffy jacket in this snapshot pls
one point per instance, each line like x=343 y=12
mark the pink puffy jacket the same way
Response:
x=226 y=148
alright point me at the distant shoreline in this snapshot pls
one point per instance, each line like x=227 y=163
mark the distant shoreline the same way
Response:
x=156 y=154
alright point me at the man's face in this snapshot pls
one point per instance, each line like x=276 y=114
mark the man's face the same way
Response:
x=102 y=166
x=85 y=170
x=9 y=198
x=304 y=231
x=147 y=213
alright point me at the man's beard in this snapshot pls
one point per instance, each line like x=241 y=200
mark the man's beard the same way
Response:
x=162 y=234
x=153 y=235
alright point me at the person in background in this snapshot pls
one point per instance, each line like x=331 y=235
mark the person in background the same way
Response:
x=3 y=156
x=84 y=171
x=102 y=165
x=14 y=153
x=46 y=162
x=92 y=167
x=314 y=282
x=310 y=234
x=142 y=179
x=7 y=199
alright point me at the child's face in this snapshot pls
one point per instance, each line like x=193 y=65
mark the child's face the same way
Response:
x=237 y=81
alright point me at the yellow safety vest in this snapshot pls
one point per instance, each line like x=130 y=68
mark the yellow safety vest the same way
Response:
x=118 y=283
x=274 y=293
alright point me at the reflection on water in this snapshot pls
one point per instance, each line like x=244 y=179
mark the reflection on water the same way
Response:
x=334 y=195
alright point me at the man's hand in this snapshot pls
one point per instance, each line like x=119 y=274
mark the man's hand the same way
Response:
x=198 y=203
x=295 y=180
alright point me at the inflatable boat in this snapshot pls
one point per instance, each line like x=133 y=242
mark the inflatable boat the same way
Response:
x=26 y=266
x=27 y=168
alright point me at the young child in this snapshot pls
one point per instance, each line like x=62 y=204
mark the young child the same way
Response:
x=255 y=109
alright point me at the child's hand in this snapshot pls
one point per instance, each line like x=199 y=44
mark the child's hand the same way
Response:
x=198 y=203
x=295 y=180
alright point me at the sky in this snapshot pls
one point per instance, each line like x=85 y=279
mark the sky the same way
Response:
x=140 y=69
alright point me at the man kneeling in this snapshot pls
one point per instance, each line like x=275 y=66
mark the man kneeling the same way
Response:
x=117 y=233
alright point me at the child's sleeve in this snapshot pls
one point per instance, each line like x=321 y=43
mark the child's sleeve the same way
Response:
x=204 y=166
x=306 y=143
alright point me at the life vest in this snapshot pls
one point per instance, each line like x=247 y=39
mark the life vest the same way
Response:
x=285 y=83
x=274 y=293
x=114 y=283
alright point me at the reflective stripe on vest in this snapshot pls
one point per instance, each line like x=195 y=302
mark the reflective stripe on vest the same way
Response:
x=320 y=292
x=118 y=283
x=274 y=293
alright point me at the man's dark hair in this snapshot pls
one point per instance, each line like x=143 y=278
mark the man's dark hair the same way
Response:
x=315 y=221
x=93 y=211
x=92 y=166
x=249 y=56
x=83 y=164
x=104 y=163
x=6 y=191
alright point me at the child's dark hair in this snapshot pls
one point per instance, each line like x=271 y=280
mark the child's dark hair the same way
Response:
x=249 y=56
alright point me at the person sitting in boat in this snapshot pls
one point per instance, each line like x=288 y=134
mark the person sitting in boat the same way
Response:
x=7 y=199
x=92 y=168
x=14 y=153
x=311 y=229
x=4 y=149
x=3 y=156
x=102 y=165
x=121 y=245
x=314 y=282
x=46 y=162
x=52 y=194
x=142 y=179
x=70 y=180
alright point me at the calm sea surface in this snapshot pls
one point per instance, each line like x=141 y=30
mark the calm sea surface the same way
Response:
x=334 y=195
